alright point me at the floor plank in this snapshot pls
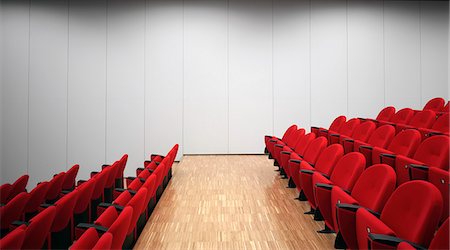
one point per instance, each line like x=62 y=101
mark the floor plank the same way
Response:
x=230 y=202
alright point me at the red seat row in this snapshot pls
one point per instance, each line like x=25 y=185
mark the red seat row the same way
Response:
x=371 y=186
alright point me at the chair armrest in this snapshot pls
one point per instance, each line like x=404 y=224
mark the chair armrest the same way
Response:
x=46 y=205
x=314 y=127
x=18 y=223
x=273 y=140
x=349 y=139
x=279 y=145
x=433 y=133
x=390 y=240
x=388 y=155
x=298 y=161
x=366 y=147
x=325 y=175
x=285 y=152
x=335 y=135
x=349 y=207
x=419 y=167
x=324 y=186
x=116 y=206
x=100 y=229
x=307 y=171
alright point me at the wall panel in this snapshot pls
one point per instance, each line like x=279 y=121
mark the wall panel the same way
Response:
x=164 y=76
x=125 y=82
x=365 y=58
x=250 y=75
x=205 y=77
x=14 y=77
x=48 y=89
x=328 y=61
x=87 y=85
x=434 y=29
x=402 y=52
x=291 y=64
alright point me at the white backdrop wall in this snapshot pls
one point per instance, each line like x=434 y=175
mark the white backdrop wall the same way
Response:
x=86 y=81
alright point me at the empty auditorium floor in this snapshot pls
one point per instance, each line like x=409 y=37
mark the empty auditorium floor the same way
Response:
x=230 y=202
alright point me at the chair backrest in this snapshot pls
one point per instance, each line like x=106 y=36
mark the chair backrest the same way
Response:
x=37 y=197
x=294 y=137
x=100 y=183
x=286 y=134
x=55 y=186
x=375 y=186
x=136 y=184
x=328 y=158
x=13 y=210
x=150 y=185
x=337 y=123
x=120 y=227
x=406 y=142
x=105 y=242
x=440 y=179
x=349 y=126
x=363 y=131
x=445 y=108
x=19 y=186
x=442 y=123
x=440 y=239
x=403 y=116
x=413 y=211
x=434 y=151
x=87 y=240
x=113 y=170
x=38 y=229
x=348 y=169
x=314 y=149
x=69 y=179
x=382 y=136
x=123 y=164
x=386 y=114
x=5 y=190
x=435 y=104
x=14 y=239
x=303 y=143
x=64 y=211
x=138 y=204
x=423 y=119
x=85 y=192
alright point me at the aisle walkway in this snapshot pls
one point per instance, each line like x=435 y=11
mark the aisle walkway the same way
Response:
x=230 y=202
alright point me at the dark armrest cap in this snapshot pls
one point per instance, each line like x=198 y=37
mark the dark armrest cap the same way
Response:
x=285 y=152
x=295 y=161
x=307 y=171
x=18 y=223
x=324 y=186
x=391 y=240
x=420 y=167
x=388 y=156
x=99 y=228
x=349 y=207
x=366 y=147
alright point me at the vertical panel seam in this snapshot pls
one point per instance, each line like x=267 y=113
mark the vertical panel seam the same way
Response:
x=384 y=55
x=145 y=72
x=67 y=85
x=272 y=69
x=310 y=64
x=106 y=82
x=182 y=80
x=228 y=75
x=420 y=55
x=28 y=87
x=346 y=27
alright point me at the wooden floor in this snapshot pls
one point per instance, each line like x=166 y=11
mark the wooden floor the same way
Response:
x=230 y=202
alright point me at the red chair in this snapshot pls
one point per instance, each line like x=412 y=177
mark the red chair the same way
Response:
x=5 y=189
x=422 y=119
x=82 y=208
x=119 y=174
x=313 y=151
x=289 y=156
x=440 y=126
x=290 y=141
x=346 y=130
x=13 y=240
x=381 y=137
x=405 y=143
x=345 y=173
x=385 y=114
x=361 y=133
x=97 y=194
x=411 y=213
x=403 y=116
x=440 y=179
x=435 y=104
x=12 y=211
x=279 y=147
x=432 y=152
x=70 y=176
x=439 y=241
x=286 y=134
x=334 y=127
x=55 y=188
x=18 y=187
x=371 y=191
x=38 y=229
x=61 y=231
x=324 y=165
x=37 y=197
x=93 y=240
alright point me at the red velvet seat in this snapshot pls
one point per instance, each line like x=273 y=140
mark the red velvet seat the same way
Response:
x=435 y=104
x=422 y=119
x=93 y=240
x=405 y=143
x=432 y=152
x=334 y=127
x=313 y=151
x=371 y=191
x=18 y=187
x=324 y=165
x=440 y=179
x=37 y=197
x=346 y=130
x=12 y=211
x=440 y=240
x=411 y=213
x=361 y=133
x=440 y=126
x=38 y=229
x=70 y=176
x=13 y=240
x=344 y=175
x=385 y=114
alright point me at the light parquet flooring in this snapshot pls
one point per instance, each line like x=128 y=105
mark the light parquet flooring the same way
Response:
x=230 y=202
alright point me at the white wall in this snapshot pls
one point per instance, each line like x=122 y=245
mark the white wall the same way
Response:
x=86 y=81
